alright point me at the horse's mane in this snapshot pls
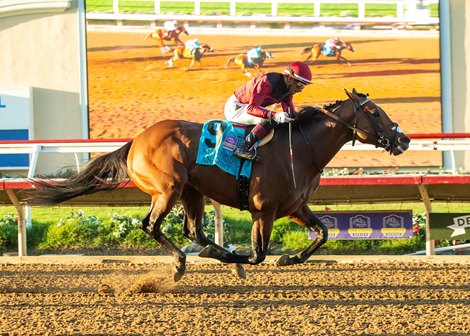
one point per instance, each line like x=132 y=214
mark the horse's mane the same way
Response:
x=310 y=112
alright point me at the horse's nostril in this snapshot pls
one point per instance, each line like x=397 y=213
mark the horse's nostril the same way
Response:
x=404 y=139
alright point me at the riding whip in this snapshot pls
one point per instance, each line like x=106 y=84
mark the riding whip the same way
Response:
x=290 y=149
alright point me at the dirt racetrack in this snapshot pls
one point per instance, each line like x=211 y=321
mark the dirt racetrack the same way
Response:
x=130 y=87
x=331 y=296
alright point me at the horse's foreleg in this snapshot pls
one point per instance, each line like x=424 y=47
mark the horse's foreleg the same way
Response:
x=340 y=58
x=260 y=235
x=306 y=218
x=151 y=224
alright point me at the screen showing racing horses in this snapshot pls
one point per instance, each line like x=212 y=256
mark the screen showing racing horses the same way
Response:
x=142 y=72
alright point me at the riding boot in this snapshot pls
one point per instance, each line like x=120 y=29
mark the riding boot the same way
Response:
x=247 y=149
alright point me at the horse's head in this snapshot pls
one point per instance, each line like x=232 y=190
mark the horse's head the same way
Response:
x=181 y=29
x=372 y=125
x=266 y=54
x=207 y=47
x=347 y=46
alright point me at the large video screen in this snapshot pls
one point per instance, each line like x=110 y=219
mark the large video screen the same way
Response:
x=131 y=86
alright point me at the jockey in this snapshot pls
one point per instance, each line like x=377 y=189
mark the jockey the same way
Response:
x=333 y=44
x=254 y=54
x=192 y=45
x=169 y=26
x=248 y=103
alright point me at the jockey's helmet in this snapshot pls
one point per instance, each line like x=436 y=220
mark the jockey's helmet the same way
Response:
x=258 y=49
x=299 y=71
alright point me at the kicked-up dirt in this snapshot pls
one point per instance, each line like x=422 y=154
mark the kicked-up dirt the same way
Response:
x=324 y=297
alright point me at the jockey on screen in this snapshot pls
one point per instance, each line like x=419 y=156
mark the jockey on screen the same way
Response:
x=254 y=54
x=169 y=26
x=248 y=103
x=333 y=44
x=192 y=45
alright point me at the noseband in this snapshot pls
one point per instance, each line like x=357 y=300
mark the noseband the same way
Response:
x=380 y=139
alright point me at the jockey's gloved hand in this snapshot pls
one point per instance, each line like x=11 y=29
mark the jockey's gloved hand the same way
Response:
x=283 y=117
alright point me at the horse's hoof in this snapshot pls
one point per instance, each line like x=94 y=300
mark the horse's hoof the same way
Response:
x=239 y=270
x=178 y=273
x=284 y=260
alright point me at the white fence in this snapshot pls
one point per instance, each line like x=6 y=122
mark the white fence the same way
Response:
x=35 y=148
x=407 y=13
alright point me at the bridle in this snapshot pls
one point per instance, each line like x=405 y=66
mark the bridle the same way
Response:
x=379 y=139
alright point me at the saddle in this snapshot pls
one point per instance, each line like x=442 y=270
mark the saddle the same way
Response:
x=216 y=149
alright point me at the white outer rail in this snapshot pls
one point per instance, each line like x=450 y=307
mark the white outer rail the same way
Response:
x=105 y=147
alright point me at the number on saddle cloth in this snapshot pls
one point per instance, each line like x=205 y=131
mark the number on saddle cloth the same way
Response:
x=219 y=139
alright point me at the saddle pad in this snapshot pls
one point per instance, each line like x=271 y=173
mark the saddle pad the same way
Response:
x=327 y=51
x=219 y=138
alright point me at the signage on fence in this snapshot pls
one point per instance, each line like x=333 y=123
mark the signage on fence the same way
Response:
x=16 y=114
x=347 y=225
x=454 y=226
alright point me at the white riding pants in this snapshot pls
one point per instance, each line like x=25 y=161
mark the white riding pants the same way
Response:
x=237 y=112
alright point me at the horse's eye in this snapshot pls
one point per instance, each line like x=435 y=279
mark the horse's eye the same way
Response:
x=375 y=113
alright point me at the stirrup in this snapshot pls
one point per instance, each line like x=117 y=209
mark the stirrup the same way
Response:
x=243 y=153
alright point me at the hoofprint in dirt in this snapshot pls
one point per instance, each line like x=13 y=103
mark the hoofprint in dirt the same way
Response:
x=122 y=296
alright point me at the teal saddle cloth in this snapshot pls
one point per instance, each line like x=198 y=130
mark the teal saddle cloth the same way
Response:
x=219 y=139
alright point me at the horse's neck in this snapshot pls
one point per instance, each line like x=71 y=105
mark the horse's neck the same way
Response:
x=328 y=136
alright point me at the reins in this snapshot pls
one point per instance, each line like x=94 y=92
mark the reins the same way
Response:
x=380 y=139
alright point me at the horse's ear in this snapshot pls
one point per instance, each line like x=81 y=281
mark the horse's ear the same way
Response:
x=352 y=95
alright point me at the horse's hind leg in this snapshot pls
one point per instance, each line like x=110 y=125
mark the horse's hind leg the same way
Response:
x=193 y=203
x=306 y=218
x=230 y=60
x=151 y=224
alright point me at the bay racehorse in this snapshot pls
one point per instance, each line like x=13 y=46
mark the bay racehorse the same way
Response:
x=241 y=60
x=315 y=51
x=161 y=161
x=161 y=35
x=183 y=52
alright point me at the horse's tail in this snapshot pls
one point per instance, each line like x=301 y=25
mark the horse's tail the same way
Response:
x=306 y=50
x=101 y=174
